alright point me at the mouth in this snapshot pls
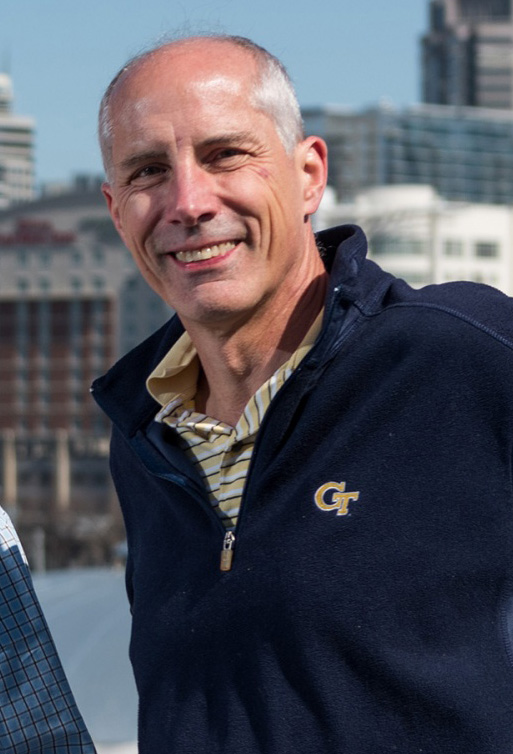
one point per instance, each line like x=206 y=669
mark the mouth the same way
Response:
x=205 y=252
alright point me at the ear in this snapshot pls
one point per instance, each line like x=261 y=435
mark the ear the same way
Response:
x=108 y=193
x=314 y=162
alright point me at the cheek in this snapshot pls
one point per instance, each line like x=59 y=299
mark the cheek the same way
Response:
x=263 y=173
x=259 y=188
x=137 y=217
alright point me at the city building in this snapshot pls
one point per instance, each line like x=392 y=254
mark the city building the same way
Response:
x=417 y=235
x=467 y=54
x=71 y=302
x=465 y=153
x=16 y=150
x=460 y=139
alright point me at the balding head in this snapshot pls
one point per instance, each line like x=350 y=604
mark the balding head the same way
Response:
x=272 y=91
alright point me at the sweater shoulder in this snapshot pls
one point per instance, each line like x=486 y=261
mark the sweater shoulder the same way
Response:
x=477 y=305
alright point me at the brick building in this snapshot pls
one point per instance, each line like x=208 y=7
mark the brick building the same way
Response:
x=71 y=302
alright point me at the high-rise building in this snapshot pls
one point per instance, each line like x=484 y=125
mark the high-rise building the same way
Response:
x=16 y=150
x=468 y=53
x=465 y=153
x=460 y=139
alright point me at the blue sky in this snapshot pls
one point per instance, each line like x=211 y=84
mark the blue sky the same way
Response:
x=61 y=55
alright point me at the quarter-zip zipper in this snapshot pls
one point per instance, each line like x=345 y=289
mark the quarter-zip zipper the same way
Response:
x=227 y=551
x=229 y=539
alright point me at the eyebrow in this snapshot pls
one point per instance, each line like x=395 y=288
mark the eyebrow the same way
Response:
x=139 y=157
x=236 y=138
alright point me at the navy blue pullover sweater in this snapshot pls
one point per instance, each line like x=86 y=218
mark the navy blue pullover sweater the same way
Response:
x=368 y=608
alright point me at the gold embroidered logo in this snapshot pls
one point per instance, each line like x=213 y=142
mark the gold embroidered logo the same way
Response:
x=338 y=496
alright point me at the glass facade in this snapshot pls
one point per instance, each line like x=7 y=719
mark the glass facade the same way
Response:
x=496 y=10
x=467 y=54
x=466 y=154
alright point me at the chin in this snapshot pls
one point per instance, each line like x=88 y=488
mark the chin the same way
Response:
x=213 y=312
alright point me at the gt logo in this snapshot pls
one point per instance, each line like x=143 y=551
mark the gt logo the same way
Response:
x=340 y=499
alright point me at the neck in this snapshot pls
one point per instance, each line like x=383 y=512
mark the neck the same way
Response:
x=237 y=361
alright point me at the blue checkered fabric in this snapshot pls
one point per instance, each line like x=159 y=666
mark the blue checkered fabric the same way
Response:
x=37 y=709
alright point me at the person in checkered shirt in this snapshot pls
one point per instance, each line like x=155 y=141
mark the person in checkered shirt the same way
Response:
x=38 y=714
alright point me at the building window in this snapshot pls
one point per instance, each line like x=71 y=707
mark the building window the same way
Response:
x=383 y=244
x=99 y=256
x=44 y=328
x=453 y=248
x=487 y=249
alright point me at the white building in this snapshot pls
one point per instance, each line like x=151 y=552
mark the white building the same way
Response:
x=16 y=150
x=416 y=235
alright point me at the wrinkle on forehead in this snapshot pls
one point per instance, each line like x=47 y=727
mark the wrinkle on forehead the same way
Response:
x=212 y=89
x=165 y=85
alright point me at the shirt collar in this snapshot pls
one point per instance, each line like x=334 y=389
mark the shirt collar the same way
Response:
x=176 y=376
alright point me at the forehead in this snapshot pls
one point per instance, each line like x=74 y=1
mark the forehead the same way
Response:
x=189 y=91
x=205 y=69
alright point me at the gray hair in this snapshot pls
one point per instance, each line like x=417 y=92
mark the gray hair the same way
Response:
x=273 y=93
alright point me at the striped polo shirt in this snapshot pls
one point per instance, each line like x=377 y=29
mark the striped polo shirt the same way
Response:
x=220 y=452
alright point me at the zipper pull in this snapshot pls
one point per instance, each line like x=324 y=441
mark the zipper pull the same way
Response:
x=227 y=551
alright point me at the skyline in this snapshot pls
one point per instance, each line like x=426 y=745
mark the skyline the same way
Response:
x=61 y=57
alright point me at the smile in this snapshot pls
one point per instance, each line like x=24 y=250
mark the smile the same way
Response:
x=207 y=252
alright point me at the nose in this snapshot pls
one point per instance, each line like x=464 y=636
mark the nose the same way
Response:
x=193 y=198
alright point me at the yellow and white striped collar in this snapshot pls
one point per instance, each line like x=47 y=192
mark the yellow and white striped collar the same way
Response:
x=174 y=380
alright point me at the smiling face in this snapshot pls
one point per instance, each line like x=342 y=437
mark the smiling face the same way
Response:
x=202 y=190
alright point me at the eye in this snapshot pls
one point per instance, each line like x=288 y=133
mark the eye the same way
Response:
x=147 y=173
x=228 y=152
x=227 y=157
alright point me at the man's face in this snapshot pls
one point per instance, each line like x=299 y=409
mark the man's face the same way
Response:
x=202 y=190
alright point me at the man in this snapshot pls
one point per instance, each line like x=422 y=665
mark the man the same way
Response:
x=38 y=714
x=313 y=459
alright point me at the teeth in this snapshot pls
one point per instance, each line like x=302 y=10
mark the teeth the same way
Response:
x=199 y=255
